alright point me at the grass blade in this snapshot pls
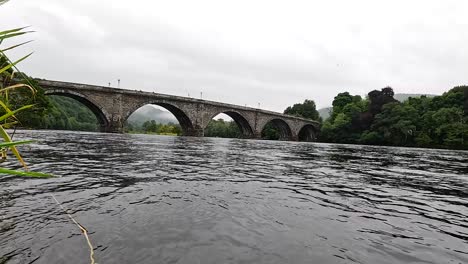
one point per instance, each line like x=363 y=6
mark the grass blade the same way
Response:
x=9 y=124
x=25 y=173
x=13 y=149
x=11 y=35
x=14 y=143
x=14 y=63
x=16 y=86
x=11 y=30
x=12 y=113
x=15 y=46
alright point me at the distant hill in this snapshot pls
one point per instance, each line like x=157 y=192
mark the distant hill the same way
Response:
x=403 y=97
x=150 y=112
x=324 y=113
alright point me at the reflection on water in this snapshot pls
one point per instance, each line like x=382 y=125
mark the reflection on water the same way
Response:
x=156 y=199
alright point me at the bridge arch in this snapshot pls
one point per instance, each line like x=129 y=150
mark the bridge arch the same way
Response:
x=184 y=121
x=101 y=115
x=284 y=130
x=307 y=133
x=242 y=123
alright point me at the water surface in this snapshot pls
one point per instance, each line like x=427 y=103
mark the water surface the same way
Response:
x=160 y=199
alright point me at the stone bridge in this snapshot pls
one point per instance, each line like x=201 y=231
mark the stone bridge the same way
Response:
x=113 y=106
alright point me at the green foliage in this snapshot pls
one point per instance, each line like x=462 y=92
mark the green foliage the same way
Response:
x=54 y=112
x=224 y=129
x=8 y=102
x=379 y=98
x=305 y=110
x=344 y=122
x=68 y=114
x=371 y=138
x=152 y=127
x=25 y=173
x=439 y=121
x=344 y=99
x=395 y=123
x=423 y=140
x=270 y=132
x=32 y=117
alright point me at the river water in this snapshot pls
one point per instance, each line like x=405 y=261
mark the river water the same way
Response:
x=160 y=199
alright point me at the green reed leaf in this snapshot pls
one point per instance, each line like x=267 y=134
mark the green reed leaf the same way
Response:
x=9 y=114
x=15 y=46
x=26 y=173
x=14 y=143
x=14 y=63
x=11 y=35
x=11 y=30
x=13 y=149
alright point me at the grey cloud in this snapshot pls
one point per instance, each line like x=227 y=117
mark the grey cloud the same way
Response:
x=95 y=42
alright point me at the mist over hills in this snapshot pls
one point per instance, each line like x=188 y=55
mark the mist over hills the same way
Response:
x=324 y=113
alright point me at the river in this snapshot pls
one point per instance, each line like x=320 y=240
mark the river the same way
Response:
x=161 y=199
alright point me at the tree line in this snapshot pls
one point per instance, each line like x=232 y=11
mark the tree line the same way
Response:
x=377 y=119
x=153 y=127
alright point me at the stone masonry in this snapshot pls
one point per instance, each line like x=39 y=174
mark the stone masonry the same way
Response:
x=113 y=106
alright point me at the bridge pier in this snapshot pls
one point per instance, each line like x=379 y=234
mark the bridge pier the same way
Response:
x=112 y=128
x=114 y=125
x=195 y=132
x=257 y=135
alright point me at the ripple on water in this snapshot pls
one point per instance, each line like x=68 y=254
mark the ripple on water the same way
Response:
x=147 y=199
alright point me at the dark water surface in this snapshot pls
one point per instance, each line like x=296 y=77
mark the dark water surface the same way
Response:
x=156 y=199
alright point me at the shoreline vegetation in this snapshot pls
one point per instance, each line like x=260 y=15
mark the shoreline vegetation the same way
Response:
x=15 y=99
x=9 y=108
x=428 y=122
x=378 y=119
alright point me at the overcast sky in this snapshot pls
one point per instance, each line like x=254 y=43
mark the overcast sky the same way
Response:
x=274 y=52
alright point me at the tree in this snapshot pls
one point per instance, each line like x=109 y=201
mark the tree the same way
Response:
x=462 y=90
x=270 y=132
x=379 y=98
x=371 y=138
x=224 y=129
x=396 y=123
x=439 y=121
x=307 y=109
x=344 y=123
x=342 y=99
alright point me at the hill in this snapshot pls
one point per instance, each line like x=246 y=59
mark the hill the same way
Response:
x=150 y=112
x=403 y=96
x=324 y=113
